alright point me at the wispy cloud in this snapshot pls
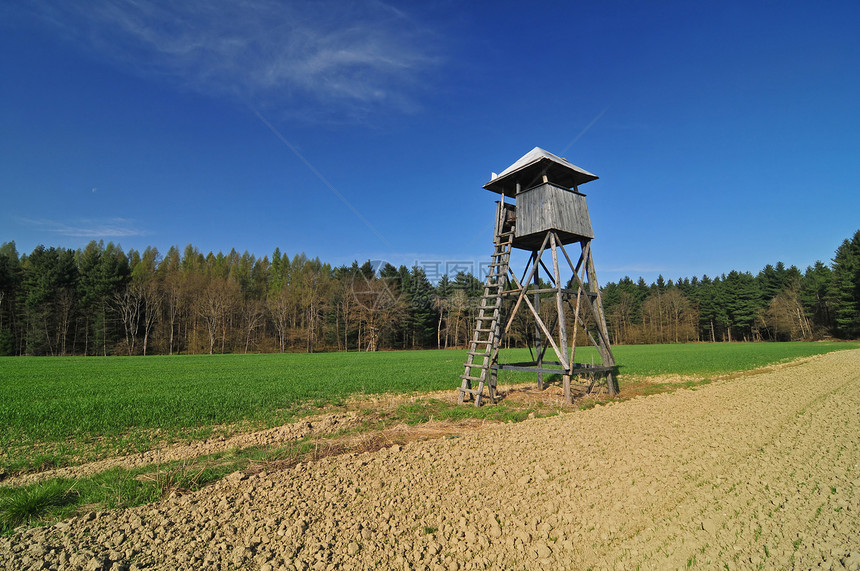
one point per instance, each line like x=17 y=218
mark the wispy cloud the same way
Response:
x=346 y=57
x=85 y=228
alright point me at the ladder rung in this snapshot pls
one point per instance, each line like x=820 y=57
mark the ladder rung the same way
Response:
x=478 y=353
x=471 y=391
x=480 y=380
x=475 y=351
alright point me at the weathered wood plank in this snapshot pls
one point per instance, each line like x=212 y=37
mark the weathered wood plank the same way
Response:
x=549 y=207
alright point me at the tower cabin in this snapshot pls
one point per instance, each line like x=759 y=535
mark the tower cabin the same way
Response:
x=546 y=190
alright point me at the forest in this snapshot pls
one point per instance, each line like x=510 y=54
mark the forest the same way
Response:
x=101 y=300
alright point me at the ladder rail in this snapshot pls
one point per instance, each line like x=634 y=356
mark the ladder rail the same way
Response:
x=485 y=339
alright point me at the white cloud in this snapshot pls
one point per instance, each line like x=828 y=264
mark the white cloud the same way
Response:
x=86 y=228
x=347 y=57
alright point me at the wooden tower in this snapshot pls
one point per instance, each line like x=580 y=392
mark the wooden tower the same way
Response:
x=549 y=213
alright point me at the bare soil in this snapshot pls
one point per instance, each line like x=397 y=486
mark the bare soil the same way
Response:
x=758 y=471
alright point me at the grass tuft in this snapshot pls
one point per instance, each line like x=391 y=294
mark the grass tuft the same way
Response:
x=31 y=504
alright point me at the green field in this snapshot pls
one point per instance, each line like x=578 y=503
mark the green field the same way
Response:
x=51 y=408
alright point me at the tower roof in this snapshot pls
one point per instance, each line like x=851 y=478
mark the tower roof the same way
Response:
x=529 y=170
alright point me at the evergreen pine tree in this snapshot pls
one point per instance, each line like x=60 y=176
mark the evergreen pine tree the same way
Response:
x=845 y=288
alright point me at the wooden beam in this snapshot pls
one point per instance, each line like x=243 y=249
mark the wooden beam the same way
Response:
x=523 y=289
x=543 y=327
x=536 y=309
x=559 y=302
x=547 y=270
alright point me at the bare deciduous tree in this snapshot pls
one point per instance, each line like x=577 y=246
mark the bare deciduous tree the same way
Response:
x=128 y=304
x=253 y=316
x=218 y=300
x=785 y=315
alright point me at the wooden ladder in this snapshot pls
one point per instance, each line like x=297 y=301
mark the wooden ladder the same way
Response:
x=484 y=350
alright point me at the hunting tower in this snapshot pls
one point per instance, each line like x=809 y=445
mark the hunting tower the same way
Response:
x=549 y=213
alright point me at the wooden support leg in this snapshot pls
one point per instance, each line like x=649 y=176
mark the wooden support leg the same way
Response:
x=568 y=396
x=536 y=303
x=612 y=384
x=494 y=376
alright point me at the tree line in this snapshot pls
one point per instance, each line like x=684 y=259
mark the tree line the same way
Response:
x=101 y=300
x=777 y=304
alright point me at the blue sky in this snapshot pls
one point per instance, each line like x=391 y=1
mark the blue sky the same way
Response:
x=726 y=135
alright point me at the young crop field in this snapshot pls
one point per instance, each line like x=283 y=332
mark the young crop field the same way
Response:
x=59 y=411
